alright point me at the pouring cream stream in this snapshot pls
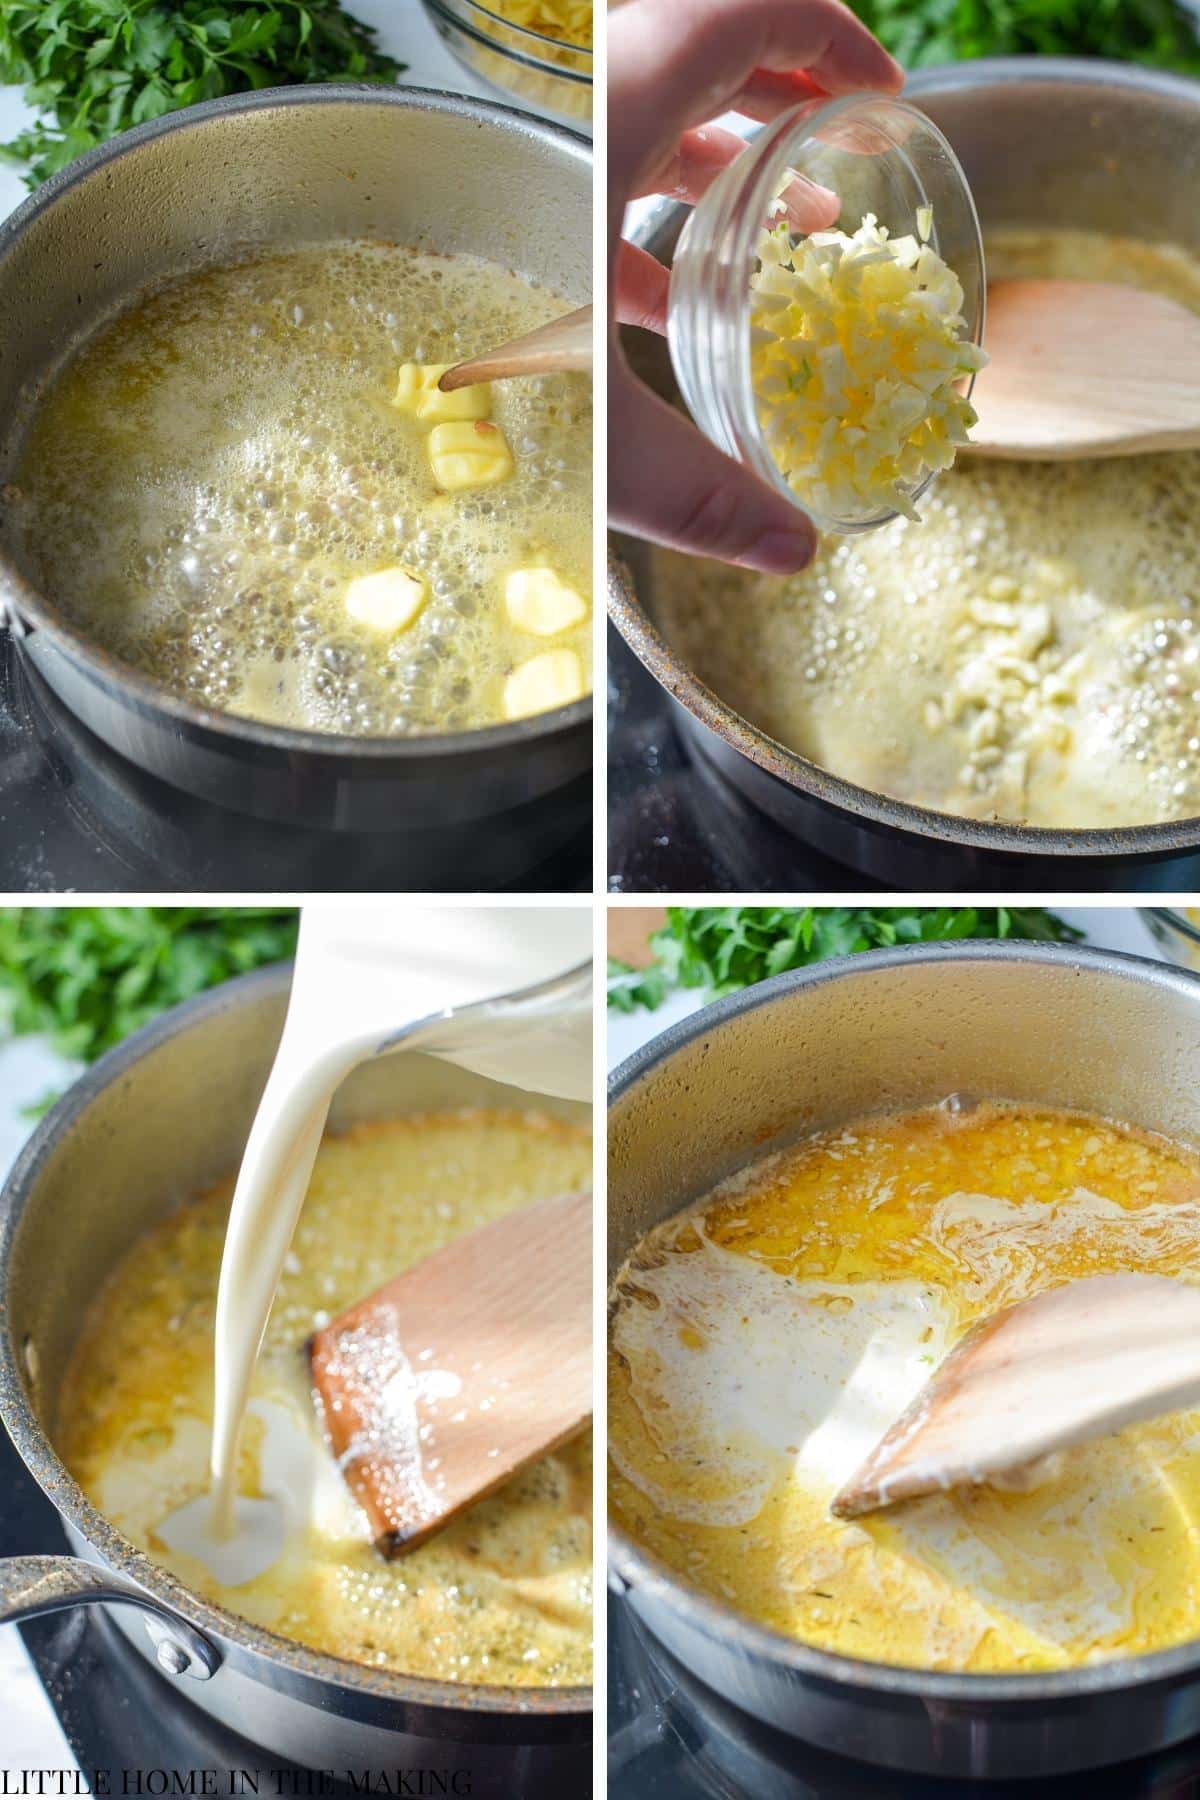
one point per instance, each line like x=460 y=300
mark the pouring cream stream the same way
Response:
x=369 y=982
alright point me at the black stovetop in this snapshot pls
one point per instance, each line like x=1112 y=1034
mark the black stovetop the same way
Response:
x=671 y=1738
x=674 y=825
x=77 y=817
x=122 y=1718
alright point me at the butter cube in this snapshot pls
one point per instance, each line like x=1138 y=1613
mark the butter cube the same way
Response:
x=386 y=601
x=539 y=602
x=554 y=678
x=469 y=455
x=418 y=394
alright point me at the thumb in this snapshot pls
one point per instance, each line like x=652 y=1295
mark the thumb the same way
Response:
x=640 y=289
x=668 y=483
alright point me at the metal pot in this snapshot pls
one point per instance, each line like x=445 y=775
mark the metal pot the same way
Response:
x=1110 y=1034
x=153 y=1122
x=287 y=165
x=1044 y=142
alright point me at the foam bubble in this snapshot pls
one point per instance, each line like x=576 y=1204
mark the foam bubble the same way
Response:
x=212 y=468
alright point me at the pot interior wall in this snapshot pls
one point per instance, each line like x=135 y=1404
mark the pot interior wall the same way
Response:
x=865 y=1039
x=1097 y=155
x=360 y=165
x=170 y=1124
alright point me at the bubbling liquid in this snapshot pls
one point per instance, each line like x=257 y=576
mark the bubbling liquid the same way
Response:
x=503 y=1594
x=212 y=468
x=1028 y=651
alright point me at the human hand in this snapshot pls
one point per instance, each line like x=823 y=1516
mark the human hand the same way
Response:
x=673 y=65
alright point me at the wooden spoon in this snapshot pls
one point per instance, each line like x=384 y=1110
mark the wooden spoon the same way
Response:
x=1086 y=368
x=473 y=1363
x=1074 y=1363
x=564 y=343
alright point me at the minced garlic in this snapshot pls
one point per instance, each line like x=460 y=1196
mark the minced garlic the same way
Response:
x=857 y=343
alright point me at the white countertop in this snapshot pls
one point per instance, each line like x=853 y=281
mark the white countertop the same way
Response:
x=30 y=1736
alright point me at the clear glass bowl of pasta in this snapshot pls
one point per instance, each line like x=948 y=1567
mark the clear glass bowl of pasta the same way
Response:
x=534 y=53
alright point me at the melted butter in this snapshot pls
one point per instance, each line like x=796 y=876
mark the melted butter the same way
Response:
x=213 y=467
x=1030 y=650
x=503 y=1594
x=759 y=1341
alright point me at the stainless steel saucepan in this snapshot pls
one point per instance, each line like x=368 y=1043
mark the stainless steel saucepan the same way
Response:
x=1065 y=1027
x=1045 y=143
x=289 y=165
x=152 y=1123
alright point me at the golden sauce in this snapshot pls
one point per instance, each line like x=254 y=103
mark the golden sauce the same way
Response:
x=215 y=465
x=764 y=1340
x=503 y=1595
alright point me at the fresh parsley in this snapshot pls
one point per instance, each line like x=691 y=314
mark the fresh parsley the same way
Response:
x=86 y=976
x=723 y=948
x=95 y=67
x=1162 y=33
x=629 y=989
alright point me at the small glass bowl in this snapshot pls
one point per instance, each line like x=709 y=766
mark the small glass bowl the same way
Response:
x=1177 y=934
x=540 y=73
x=878 y=156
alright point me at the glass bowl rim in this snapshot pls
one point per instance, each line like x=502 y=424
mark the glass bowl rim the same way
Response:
x=533 y=38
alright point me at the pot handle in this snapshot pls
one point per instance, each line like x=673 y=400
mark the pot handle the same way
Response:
x=31 y=1585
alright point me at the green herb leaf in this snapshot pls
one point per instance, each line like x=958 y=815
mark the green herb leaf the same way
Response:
x=86 y=976
x=1162 y=33
x=629 y=988
x=724 y=948
x=95 y=67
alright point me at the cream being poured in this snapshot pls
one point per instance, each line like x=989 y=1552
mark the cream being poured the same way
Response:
x=502 y=991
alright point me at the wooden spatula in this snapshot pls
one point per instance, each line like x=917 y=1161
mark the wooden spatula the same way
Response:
x=564 y=343
x=1074 y=1363
x=462 y=1370
x=1086 y=368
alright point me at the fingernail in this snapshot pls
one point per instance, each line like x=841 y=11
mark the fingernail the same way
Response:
x=780 y=552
